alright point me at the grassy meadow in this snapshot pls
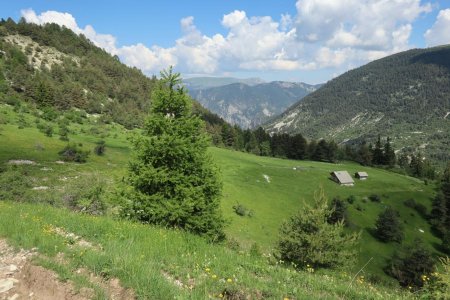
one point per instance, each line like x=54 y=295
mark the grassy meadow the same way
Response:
x=272 y=189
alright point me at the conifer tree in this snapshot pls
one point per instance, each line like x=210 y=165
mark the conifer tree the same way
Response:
x=308 y=238
x=388 y=227
x=389 y=154
x=174 y=182
x=377 y=156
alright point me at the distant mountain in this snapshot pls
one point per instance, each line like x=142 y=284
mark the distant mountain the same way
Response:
x=250 y=105
x=197 y=83
x=405 y=96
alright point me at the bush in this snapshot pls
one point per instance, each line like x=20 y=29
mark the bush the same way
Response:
x=351 y=199
x=438 y=285
x=255 y=250
x=420 y=208
x=233 y=244
x=411 y=265
x=73 y=153
x=388 y=227
x=446 y=243
x=63 y=133
x=375 y=198
x=48 y=131
x=242 y=211
x=339 y=211
x=307 y=238
x=14 y=184
x=86 y=195
x=100 y=148
x=49 y=114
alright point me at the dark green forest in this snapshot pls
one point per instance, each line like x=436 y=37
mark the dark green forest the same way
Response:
x=405 y=96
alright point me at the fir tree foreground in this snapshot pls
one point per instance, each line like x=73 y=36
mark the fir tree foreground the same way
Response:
x=174 y=182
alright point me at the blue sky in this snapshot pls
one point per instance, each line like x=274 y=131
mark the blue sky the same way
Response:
x=305 y=40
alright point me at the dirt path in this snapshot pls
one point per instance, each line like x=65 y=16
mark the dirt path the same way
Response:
x=19 y=279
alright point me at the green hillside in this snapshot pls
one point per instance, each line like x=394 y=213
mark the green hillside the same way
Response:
x=51 y=66
x=404 y=96
x=269 y=187
x=164 y=264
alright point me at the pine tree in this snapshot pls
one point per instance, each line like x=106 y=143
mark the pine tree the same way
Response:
x=377 y=155
x=365 y=155
x=445 y=189
x=339 y=211
x=308 y=238
x=173 y=180
x=389 y=154
x=388 y=227
x=410 y=263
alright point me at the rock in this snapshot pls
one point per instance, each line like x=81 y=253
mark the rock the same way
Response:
x=8 y=270
x=14 y=297
x=6 y=284
x=21 y=162
x=40 y=188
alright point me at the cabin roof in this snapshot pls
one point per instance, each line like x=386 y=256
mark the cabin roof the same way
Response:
x=343 y=177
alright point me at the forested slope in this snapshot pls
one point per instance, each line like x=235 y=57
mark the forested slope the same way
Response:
x=53 y=67
x=405 y=96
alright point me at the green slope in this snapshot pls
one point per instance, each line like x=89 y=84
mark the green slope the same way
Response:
x=244 y=183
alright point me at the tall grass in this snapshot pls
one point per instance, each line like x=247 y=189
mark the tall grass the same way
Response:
x=167 y=264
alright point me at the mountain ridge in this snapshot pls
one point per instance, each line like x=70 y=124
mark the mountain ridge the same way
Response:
x=250 y=105
x=404 y=96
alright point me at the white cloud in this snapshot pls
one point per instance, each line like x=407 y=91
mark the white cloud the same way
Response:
x=105 y=41
x=439 y=33
x=336 y=34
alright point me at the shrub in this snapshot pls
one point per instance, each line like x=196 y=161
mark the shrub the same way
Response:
x=307 y=238
x=242 y=211
x=339 y=211
x=388 y=226
x=446 y=243
x=420 y=208
x=14 y=184
x=63 y=133
x=49 y=114
x=233 y=244
x=411 y=265
x=351 y=199
x=74 y=153
x=255 y=250
x=375 y=198
x=100 y=148
x=438 y=285
x=48 y=131
x=86 y=195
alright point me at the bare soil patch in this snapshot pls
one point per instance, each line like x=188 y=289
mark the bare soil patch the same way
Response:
x=20 y=279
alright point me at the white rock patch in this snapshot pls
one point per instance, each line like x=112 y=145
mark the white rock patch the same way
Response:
x=40 y=188
x=21 y=162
